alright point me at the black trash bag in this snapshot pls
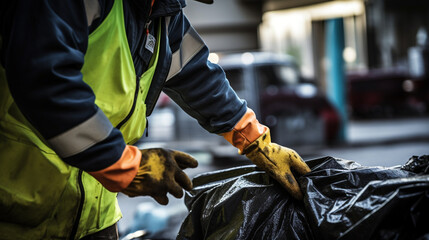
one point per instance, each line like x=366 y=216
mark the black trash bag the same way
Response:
x=417 y=164
x=342 y=200
x=345 y=200
x=242 y=203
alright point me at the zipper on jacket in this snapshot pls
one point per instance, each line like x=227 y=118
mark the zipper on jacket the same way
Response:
x=147 y=25
x=147 y=127
x=149 y=108
x=132 y=107
x=80 y=207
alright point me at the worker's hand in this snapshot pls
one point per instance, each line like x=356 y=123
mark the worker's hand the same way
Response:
x=160 y=172
x=278 y=161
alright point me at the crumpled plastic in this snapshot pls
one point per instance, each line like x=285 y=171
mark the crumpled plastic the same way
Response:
x=342 y=200
x=417 y=164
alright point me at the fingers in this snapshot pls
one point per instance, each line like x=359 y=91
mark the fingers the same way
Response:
x=161 y=199
x=289 y=182
x=298 y=164
x=183 y=179
x=175 y=189
x=162 y=171
x=300 y=167
x=184 y=160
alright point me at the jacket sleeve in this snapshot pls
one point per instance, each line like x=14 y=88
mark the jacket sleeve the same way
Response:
x=44 y=53
x=198 y=86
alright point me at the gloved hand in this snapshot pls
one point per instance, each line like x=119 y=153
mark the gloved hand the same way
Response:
x=278 y=161
x=160 y=172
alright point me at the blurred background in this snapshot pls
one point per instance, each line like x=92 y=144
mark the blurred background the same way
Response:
x=348 y=79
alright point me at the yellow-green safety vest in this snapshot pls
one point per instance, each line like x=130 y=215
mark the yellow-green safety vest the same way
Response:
x=40 y=195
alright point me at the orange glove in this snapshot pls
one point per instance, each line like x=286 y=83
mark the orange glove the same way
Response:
x=120 y=174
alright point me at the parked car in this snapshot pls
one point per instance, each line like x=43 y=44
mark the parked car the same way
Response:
x=380 y=93
x=296 y=111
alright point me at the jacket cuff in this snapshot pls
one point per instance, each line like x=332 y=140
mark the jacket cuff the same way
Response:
x=246 y=131
x=118 y=176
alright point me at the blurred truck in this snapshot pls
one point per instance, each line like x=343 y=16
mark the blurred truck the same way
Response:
x=296 y=111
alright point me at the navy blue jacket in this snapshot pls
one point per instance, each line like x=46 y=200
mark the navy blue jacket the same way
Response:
x=43 y=48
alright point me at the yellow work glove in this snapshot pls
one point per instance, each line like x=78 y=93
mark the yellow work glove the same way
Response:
x=278 y=161
x=160 y=172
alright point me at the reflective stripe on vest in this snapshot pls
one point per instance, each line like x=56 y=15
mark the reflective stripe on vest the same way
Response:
x=85 y=135
x=110 y=73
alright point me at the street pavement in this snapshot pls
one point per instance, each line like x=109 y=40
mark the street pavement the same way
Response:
x=384 y=142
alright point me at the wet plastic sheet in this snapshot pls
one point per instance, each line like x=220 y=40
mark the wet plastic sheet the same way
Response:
x=342 y=200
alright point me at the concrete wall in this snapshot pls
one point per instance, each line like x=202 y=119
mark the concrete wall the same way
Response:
x=227 y=25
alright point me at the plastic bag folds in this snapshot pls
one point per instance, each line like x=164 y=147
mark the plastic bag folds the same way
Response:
x=342 y=200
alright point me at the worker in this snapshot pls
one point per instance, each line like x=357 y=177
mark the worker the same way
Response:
x=77 y=81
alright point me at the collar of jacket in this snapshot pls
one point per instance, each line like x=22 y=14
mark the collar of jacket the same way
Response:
x=167 y=7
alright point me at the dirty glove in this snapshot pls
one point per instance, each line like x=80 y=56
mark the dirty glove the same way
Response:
x=160 y=172
x=278 y=161
x=253 y=139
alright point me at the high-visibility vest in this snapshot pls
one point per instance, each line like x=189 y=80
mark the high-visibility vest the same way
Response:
x=42 y=197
